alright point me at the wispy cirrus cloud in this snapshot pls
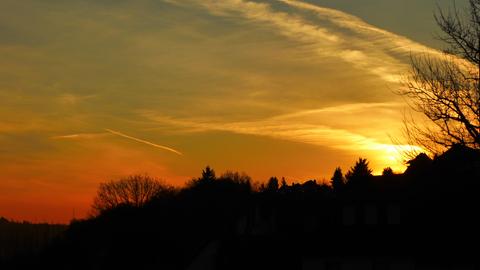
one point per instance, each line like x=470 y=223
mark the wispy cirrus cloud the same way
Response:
x=72 y=99
x=377 y=36
x=281 y=127
x=292 y=26
x=79 y=136
x=362 y=45
x=343 y=108
x=317 y=127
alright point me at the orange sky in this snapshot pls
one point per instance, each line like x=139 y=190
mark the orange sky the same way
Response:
x=91 y=92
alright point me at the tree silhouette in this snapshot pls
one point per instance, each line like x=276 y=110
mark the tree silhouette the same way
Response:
x=337 y=180
x=283 y=184
x=208 y=174
x=359 y=174
x=135 y=190
x=207 y=178
x=272 y=185
x=447 y=90
x=387 y=172
x=241 y=181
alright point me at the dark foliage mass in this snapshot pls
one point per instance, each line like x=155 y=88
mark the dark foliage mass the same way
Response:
x=23 y=239
x=228 y=222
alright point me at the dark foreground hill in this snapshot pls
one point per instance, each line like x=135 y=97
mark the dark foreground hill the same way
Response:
x=425 y=218
x=24 y=239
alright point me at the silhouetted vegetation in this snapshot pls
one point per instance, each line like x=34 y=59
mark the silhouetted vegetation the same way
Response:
x=132 y=191
x=338 y=181
x=224 y=222
x=359 y=175
x=447 y=89
x=387 y=172
x=22 y=239
x=423 y=218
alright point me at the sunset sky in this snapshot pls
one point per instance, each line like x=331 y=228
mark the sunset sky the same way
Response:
x=94 y=90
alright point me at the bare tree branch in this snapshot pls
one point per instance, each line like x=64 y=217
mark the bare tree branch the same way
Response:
x=447 y=90
x=134 y=190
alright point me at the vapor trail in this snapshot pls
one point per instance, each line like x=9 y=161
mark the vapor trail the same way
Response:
x=144 y=141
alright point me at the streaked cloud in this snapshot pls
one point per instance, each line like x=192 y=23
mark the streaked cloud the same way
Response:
x=379 y=36
x=360 y=50
x=317 y=127
x=81 y=136
x=72 y=99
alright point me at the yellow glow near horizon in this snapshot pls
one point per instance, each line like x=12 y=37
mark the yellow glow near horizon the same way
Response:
x=395 y=156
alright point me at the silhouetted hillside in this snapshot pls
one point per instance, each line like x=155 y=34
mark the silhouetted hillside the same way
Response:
x=426 y=216
x=25 y=239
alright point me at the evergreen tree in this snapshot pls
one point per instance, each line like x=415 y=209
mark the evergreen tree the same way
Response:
x=208 y=174
x=359 y=174
x=337 y=180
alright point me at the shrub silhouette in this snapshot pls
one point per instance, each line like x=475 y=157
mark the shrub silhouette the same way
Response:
x=387 y=172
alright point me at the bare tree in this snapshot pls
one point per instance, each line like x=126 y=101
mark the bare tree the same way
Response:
x=447 y=90
x=135 y=190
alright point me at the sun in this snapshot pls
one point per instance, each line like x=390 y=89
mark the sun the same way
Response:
x=395 y=155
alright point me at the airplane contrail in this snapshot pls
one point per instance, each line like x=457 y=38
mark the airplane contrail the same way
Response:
x=144 y=141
